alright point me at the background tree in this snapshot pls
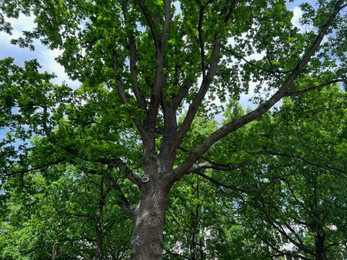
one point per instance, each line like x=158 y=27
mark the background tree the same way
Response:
x=142 y=66
x=63 y=215
x=293 y=197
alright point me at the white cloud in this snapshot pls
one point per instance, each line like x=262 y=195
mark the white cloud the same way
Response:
x=45 y=56
x=51 y=65
x=297 y=14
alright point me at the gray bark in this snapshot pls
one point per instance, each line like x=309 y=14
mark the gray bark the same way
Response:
x=149 y=222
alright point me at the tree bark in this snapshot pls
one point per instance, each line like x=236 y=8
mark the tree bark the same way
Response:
x=149 y=221
x=98 y=222
x=321 y=256
x=320 y=249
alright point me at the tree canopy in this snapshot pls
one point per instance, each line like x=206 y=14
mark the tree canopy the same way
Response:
x=152 y=75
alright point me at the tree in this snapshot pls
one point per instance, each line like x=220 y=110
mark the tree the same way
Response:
x=147 y=69
x=65 y=215
x=293 y=197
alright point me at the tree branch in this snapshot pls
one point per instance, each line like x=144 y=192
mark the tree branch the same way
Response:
x=149 y=21
x=184 y=89
x=237 y=55
x=124 y=202
x=201 y=41
x=218 y=183
x=133 y=71
x=119 y=84
x=317 y=87
x=207 y=78
x=122 y=94
x=205 y=84
x=262 y=109
x=168 y=16
x=209 y=165
x=116 y=162
x=129 y=174
x=273 y=222
x=325 y=167
x=39 y=167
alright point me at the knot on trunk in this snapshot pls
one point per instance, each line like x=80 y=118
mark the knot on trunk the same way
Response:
x=145 y=179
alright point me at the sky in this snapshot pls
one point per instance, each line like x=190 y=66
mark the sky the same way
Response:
x=45 y=56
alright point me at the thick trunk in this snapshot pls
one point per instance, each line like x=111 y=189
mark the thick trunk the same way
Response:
x=321 y=256
x=320 y=249
x=149 y=221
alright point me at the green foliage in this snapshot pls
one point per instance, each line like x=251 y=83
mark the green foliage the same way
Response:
x=57 y=218
x=153 y=75
x=294 y=192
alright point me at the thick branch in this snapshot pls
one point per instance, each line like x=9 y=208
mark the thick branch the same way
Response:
x=262 y=109
x=206 y=82
x=133 y=71
x=168 y=15
x=208 y=78
x=160 y=79
x=183 y=91
x=128 y=173
x=149 y=21
x=121 y=91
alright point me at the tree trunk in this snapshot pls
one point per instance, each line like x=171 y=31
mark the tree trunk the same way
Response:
x=149 y=221
x=99 y=241
x=320 y=249
x=321 y=256
x=98 y=222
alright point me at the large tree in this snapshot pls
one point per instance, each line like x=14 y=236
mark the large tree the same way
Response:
x=293 y=197
x=147 y=69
